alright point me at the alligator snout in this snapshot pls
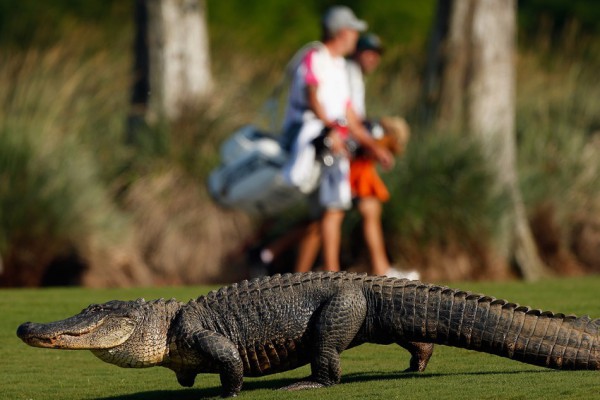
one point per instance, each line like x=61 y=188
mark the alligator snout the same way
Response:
x=31 y=334
x=30 y=331
x=24 y=330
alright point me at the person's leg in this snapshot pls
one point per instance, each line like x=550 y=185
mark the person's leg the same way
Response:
x=335 y=197
x=370 y=210
x=288 y=240
x=331 y=228
x=309 y=246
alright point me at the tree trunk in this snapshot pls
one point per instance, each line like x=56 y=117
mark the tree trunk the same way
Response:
x=454 y=83
x=477 y=95
x=140 y=91
x=179 y=63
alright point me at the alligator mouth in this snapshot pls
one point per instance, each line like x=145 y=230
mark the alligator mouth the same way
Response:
x=50 y=342
x=43 y=340
x=48 y=336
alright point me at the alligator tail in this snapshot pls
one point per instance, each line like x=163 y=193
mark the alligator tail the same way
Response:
x=477 y=322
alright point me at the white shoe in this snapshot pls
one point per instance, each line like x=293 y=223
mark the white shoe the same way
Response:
x=410 y=275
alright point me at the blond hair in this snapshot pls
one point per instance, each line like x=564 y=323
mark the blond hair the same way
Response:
x=396 y=134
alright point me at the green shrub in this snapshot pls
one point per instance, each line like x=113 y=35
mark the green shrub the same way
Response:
x=58 y=127
x=48 y=190
x=442 y=189
x=558 y=128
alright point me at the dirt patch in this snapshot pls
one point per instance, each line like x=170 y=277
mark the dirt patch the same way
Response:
x=585 y=242
x=182 y=236
x=553 y=243
x=451 y=261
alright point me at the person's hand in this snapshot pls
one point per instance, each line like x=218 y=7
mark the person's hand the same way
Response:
x=337 y=144
x=384 y=157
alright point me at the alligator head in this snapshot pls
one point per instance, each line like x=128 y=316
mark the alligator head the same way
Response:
x=125 y=333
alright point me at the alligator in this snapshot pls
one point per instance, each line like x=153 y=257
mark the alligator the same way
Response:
x=282 y=322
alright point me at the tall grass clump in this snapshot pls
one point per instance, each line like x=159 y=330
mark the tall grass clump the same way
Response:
x=58 y=124
x=444 y=208
x=51 y=202
x=559 y=155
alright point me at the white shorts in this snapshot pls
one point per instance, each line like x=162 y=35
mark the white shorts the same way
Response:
x=335 y=192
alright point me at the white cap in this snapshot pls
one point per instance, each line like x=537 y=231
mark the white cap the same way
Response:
x=340 y=17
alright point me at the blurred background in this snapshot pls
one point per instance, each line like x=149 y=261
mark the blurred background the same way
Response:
x=102 y=180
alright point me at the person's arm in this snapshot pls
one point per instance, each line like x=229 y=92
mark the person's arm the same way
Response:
x=337 y=144
x=312 y=81
x=360 y=133
x=315 y=105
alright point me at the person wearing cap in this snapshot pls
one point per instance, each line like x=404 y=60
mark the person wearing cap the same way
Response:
x=368 y=190
x=320 y=99
x=364 y=61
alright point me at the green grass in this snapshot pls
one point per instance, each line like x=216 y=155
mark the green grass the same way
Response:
x=369 y=371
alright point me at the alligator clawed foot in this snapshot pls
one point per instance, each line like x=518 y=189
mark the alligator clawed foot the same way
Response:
x=186 y=379
x=421 y=353
x=417 y=366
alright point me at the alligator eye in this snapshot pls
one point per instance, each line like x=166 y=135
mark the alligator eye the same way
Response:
x=93 y=308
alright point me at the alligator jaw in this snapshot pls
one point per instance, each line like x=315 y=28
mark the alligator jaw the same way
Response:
x=98 y=335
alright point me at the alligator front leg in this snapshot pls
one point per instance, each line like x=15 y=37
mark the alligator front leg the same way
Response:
x=334 y=328
x=223 y=355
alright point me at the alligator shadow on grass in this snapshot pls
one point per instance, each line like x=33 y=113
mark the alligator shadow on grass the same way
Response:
x=274 y=384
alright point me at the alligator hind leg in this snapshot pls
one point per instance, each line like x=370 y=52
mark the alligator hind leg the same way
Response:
x=420 y=354
x=334 y=328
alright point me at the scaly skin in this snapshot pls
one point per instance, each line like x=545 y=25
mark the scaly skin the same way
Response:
x=280 y=323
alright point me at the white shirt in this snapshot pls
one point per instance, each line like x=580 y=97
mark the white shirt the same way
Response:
x=329 y=74
x=357 y=88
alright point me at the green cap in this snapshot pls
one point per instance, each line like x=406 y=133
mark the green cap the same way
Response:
x=369 y=41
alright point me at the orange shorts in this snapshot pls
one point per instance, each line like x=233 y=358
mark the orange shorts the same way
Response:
x=365 y=181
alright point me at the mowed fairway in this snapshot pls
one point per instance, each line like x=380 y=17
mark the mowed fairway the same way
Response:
x=369 y=371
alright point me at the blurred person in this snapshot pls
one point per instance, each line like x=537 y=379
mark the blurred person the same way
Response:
x=368 y=190
x=320 y=101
